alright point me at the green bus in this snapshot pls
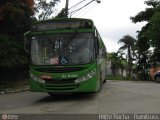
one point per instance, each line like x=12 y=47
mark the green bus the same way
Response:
x=67 y=55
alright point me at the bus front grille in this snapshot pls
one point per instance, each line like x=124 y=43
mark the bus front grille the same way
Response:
x=59 y=69
x=61 y=81
x=60 y=84
x=59 y=87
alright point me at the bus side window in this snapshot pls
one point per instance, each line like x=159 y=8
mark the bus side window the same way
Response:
x=96 y=44
x=100 y=46
x=105 y=53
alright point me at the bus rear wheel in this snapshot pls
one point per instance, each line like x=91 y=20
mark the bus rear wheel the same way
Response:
x=158 y=79
x=104 y=81
x=100 y=83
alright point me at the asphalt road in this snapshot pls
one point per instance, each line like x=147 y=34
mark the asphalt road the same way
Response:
x=115 y=97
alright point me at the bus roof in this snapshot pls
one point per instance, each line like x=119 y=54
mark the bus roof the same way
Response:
x=63 y=19
x=62 y=23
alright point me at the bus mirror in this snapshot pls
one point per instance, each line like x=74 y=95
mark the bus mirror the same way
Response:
x=27 y=42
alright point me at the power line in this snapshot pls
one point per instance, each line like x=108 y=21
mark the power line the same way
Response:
x=81 y=7
x=74 y=11
x=77 y=4
x=85 y=10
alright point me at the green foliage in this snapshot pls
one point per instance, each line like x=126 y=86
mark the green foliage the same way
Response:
x=154 y=30
x=149 y=36
x=11 y=54
x=143 y=15
x=117 y=61
x=148 y=13
x=152 y=3
x=16 y=18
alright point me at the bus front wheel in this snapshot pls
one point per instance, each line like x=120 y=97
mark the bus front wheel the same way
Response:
x=51 y=94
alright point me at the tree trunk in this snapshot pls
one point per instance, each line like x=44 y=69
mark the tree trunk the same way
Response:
x=129 y=61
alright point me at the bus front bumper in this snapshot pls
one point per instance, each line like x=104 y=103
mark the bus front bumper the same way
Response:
x=85 y=86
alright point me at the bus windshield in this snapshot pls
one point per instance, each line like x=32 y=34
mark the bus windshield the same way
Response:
x=62 y=49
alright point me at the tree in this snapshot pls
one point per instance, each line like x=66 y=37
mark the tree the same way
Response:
x=116 y=62
x=149 y=34
x=15 y=19
x=154 y=35
x=16 y=16
x=129 y=45
x=44 y=9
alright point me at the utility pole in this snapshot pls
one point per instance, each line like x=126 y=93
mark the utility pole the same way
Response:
x=66 y=8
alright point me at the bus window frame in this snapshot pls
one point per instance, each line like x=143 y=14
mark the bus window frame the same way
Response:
x=94 y=50
x=27 y=42
x=99 y=49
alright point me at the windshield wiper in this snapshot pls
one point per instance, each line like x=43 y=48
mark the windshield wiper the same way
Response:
x=70 y=40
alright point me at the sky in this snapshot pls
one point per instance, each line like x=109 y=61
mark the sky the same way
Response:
x=112 y=18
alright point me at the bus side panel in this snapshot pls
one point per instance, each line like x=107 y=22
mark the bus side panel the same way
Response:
x=35 y=87
x=89 y=86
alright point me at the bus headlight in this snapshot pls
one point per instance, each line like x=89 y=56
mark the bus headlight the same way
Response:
x=36 y=78
x=86 y=77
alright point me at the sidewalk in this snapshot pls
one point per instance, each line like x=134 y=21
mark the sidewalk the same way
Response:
x=18 y=86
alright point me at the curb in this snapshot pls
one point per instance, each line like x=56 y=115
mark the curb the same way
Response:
x=13 y=91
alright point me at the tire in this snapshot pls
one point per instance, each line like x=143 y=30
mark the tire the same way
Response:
x=100 y=83
x=158 y=79
x=100 y=86
x=104 y=81
x=51 y=94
